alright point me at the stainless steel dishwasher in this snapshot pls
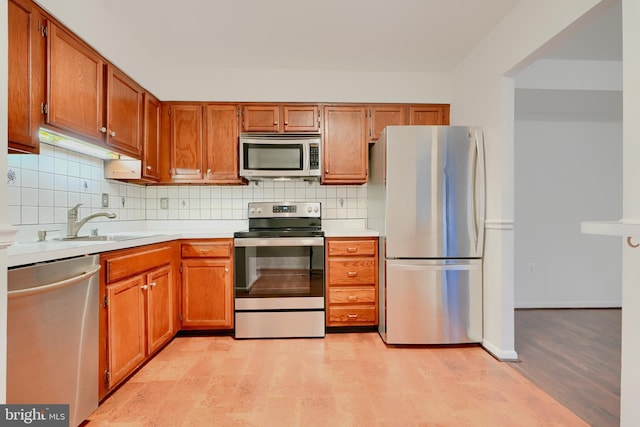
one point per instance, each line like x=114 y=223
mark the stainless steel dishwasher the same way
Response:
x=52 y=335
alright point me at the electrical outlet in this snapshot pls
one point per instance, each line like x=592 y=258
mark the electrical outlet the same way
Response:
x=105 y=200
x=164 y=203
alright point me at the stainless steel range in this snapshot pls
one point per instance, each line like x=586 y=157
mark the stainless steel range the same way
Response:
x=279 y=272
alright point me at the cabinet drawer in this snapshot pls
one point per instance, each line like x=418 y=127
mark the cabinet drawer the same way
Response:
x=356 y=314
x=352 y=247
x=352 y=272
x=129 y=264
x=206 y=249
x=352 y=295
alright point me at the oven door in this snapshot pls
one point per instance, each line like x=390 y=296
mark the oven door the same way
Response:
x=279 y=273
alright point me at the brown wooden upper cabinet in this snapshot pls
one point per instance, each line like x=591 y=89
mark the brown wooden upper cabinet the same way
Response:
x=381 y=116
x=78 y=101
x=221 y=145
x=202 y=143
x=26 y=76
x=186 y=147
x=125 y=113
x=429 y=114
x=345 y=145
x=280 y=118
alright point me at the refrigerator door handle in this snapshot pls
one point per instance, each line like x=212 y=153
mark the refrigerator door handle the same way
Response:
x=440 y=267
x=479 y=190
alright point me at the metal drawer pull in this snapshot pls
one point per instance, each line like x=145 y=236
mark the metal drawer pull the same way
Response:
x=144 y=287
x=352 y=249
x=352 y=273
x=153 y=284
x=352 y=316
x=353 y=298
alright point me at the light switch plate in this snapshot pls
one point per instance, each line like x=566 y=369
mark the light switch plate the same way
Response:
x=105 y=200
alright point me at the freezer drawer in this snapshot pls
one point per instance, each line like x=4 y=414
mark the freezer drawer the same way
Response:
x=432 y=302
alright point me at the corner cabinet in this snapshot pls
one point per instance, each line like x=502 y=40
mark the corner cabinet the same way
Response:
x=207 y=284
x=352 y=281
x=151 y=139
x=26 y=74
x=138 y=316
x=345 y=144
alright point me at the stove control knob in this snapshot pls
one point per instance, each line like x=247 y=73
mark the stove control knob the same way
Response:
x=252 y=210
x=309 y=209
x=316 y=209
x=259 y=210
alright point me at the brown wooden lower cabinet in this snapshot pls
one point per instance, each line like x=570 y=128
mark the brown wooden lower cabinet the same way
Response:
x=138 y=293
x=207 y=284
x=352 y=281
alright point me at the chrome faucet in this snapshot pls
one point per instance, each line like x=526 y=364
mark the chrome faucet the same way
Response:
x=73 y=225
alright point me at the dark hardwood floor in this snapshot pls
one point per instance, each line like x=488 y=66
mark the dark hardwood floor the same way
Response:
x=574 y=356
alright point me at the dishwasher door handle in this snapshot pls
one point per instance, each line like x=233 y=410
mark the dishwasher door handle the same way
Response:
x=53 y=286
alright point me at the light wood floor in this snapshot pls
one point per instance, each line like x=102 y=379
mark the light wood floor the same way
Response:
x=342 y=380
x=574 y=355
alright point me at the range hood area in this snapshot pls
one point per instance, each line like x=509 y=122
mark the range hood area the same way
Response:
x=116 y=165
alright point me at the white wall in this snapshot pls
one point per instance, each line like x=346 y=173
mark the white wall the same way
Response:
x=566 y=171
x=483 y=94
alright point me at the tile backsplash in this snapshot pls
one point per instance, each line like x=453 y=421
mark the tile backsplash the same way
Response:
x=41 y=188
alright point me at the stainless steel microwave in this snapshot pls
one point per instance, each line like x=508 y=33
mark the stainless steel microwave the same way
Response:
x=280 y=156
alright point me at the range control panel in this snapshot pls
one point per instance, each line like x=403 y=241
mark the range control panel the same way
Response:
x=284 y=209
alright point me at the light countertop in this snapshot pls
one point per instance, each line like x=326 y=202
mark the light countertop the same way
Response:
x=28 y=251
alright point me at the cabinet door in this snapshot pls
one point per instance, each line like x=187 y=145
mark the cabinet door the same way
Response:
x=382 y=116
x=207 y=293
x=301 y=118
x=222 y=144
x=345 y=145
x=125 y=110
x=74 y=85
x=187 y=155
x=260 y=118
x=26 y=76
x=151 y=138
x=126 y=322
x=428 y=115
x=159 y=308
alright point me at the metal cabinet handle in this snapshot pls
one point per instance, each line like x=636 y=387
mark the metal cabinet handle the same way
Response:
x=353 y=298
x=103 y=129
x=149 y=168
x=153 y=284
x=352 y=273
x=275 y=123
x=112 y=133
x=144 y=287
x=352 y=250
x=352 y=316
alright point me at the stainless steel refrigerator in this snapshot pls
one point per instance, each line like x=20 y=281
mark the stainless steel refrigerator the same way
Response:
x=426 y=199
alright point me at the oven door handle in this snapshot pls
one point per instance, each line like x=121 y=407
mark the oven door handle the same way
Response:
x=249 y=242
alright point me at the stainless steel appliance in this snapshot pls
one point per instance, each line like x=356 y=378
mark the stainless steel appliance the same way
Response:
x=426 y=199
x=279 y=272
x=52 y=335
x=280 y=156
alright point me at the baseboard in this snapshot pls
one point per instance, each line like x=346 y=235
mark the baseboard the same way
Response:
x=572 y=304
x=501 y=355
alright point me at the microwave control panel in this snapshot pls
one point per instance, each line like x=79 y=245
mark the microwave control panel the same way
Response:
x=314 y=154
